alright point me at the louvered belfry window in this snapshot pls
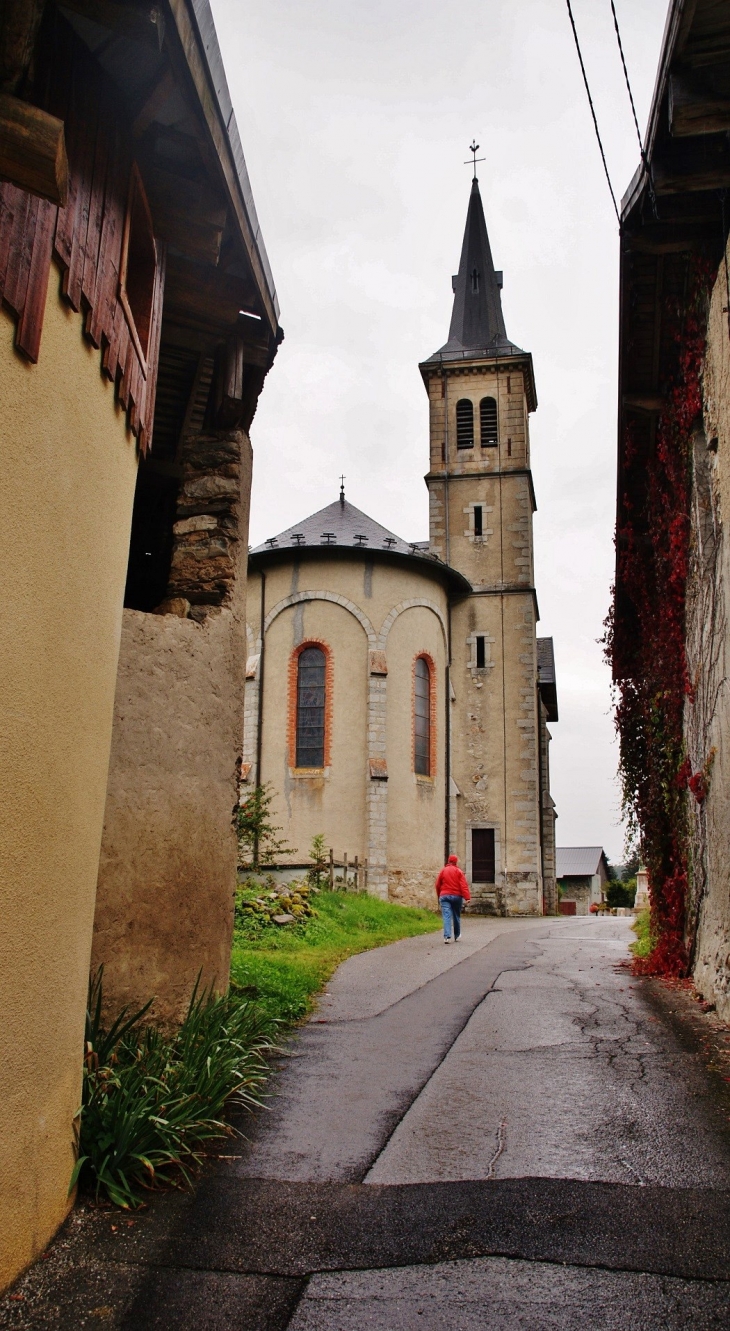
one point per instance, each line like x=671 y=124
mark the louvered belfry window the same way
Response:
x=488 y=422
x=422 y=717
x=310 y=707
x=464 y=423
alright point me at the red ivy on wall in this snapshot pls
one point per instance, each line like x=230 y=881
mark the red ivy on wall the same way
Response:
x=652 y=540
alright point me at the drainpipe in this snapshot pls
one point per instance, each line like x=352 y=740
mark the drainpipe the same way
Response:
x=447 y=824
x=260 y=730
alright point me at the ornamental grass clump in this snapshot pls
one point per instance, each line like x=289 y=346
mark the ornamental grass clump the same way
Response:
x=152 y=1100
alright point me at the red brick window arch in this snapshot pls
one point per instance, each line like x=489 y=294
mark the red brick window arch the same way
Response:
x=310 y=705
x=424 y=715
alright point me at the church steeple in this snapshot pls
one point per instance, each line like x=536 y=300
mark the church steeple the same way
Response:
x=477 y=322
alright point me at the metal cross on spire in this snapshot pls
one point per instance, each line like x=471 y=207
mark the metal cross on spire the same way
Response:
x=342 y=489
x=474 y=149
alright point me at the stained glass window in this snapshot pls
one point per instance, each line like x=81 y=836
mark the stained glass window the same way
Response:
x=422 y=717
x=310 y=707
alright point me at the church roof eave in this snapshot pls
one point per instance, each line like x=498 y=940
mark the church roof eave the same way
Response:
x=429 y=565
x=443 y=361
x=342 y=531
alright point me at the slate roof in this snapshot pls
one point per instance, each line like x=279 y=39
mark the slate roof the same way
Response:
x=546 y=676
x=578 y=861
x=338 y=524
x=477 y=322
x=343 y=528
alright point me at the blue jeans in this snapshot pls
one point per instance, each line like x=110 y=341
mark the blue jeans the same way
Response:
x=451 y=910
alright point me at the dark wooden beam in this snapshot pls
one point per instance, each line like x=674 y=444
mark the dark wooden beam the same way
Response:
x=650 y=402
x=186 y=214
x=19 y=23
x=137 y=19
x=671 y=180
x=153 y=103
x=33 y=150
x=206 y=296
x=694 y=109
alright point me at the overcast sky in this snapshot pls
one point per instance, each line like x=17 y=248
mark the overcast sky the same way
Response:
x=356 y=119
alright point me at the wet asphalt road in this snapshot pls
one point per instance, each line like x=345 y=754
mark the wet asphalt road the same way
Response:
x=505 y=1134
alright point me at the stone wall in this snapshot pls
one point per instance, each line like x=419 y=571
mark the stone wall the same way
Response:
x=707 y=712
x=168 y=863
x=495 y=718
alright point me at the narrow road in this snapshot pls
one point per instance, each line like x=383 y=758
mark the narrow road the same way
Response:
x=508 y=1133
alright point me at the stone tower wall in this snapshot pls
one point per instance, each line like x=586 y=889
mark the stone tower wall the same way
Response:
x=496 y=725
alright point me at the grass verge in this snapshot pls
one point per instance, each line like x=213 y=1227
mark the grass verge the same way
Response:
x=644 y=938
x=283 y=968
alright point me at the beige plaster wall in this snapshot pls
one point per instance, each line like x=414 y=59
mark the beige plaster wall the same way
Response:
x=707 y=715
x=368 y=608
x=332 y=803
x=67 y=475
x=167 y=873
x=416 y=804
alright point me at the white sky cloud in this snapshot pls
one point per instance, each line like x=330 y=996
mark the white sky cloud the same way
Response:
x=355 y=121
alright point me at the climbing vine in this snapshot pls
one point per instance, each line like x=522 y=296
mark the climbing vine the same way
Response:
x=646 y=637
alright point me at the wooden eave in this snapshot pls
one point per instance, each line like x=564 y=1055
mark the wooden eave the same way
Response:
x=673 y=210
x=191 y=163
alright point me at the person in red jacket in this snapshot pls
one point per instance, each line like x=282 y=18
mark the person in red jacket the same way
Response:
x=452 y=891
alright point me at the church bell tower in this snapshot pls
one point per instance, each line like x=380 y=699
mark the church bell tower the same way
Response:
x=481 y=391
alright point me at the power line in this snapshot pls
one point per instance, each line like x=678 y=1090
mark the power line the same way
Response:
x=644 y=158
x=626 y=76
x=593 y=113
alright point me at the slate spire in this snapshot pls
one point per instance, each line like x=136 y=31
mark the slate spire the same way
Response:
x=477 y=322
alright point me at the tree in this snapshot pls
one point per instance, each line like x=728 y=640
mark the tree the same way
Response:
x=258 y=842
x=318 y=857
x=619 y=893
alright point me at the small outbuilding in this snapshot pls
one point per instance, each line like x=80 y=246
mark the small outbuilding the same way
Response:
x=582 y=875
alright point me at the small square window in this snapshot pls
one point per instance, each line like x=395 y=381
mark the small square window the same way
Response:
x=481 y=653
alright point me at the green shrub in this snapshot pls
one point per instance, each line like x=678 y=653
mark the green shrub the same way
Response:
x=645 y=940
x=620 y=894
x=152 y=1100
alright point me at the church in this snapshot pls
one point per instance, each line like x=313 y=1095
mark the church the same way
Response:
x=397 y=694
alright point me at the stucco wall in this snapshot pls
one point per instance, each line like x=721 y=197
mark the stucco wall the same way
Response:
x=364 y=612
x=67 y=475
x=332 y=803
x=167 y=872
x=707 y=714
x=416 y=808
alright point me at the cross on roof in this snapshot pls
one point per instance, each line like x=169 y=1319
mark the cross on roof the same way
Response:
x=474 y=149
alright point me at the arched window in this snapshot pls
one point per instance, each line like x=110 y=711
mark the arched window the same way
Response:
x=464 y=423
x=422 y=718
x=488 y=422
x=311 y=669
